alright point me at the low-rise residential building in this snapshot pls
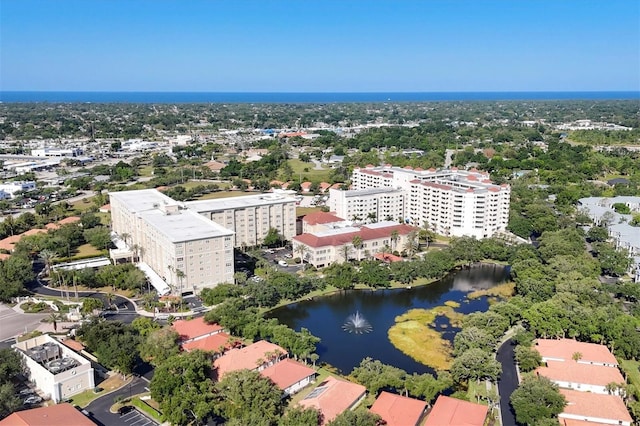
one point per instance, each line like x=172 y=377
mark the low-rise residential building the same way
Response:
x=397 y=410
x=587 y=408
x=320 y=221
x=569 y=350
x=582 y=377
x=289 y=375
x=450 y=202
x=368 y=205
x=449 y=411
x=323 y=248
x=333 y=396
x=188 y=251
x=55 y=369
x=216 y=343
x=53 y=415
x=256 y=356
x=195 y=329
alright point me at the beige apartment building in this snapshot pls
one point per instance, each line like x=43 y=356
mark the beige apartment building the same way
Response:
x=250 y=217
x=187 y=251
x=324 y=247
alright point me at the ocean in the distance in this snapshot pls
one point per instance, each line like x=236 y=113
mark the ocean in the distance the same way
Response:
x=297 y=98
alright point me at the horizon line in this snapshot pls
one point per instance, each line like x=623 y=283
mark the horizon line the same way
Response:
x=332 y=92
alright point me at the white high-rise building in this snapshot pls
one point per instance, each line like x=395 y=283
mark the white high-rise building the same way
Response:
x=452 y=202
x=368 y=205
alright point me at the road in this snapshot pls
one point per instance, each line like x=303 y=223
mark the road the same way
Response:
x=15 y=323
x=508 y=382
x=99 y=408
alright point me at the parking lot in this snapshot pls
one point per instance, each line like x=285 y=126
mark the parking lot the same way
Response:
x=282 y=259
x=136 y=418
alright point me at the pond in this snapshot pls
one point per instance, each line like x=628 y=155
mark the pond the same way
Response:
x=325 y=316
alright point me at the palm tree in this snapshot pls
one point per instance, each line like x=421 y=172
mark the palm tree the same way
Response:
x=395 y=236
x=125 y=236
x=134 y=252
x=427 y=233
x=412 y=243
x=48 y=256
x=181 y=276
x=110 y=297
x=357 y=244
x=301 y=250
x=346 y=250
x=53 y=318
x=75 y=284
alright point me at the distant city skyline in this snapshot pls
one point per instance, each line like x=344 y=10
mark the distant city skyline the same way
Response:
x=319 y=46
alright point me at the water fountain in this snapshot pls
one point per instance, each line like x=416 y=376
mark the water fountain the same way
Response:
x=357 y=324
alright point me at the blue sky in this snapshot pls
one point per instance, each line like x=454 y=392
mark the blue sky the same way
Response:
x=319 y=46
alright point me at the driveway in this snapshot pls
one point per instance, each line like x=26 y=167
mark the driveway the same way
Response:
x=508 y=382
x=15 y=323
x=99 y=408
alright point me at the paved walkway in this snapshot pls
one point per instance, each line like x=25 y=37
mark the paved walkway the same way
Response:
x=508 y=382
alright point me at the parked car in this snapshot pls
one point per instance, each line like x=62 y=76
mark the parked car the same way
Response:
x=27 y=391
x=32 y=400
x=282 y=263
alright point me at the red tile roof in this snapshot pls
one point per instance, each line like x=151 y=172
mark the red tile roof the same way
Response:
x=336 y=186
x=588 y=404
x=250 y=357
x=387 y=257
x=324 y=186
x=398 y=410
x=305 y=185
x=455 y=412
x=565 y=348
x=287 y=373
x=70 y=219
x=9 y=242
x=215 y=343
x=365 y=233
x=333 y=397
x=54 y=415
x=318 y=218
x=194 y=328
x=106 y=208
x=587 y=374
x=4 y=256
x=73 y=344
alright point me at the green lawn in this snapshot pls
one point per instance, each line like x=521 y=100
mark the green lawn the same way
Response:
x=303 y=211
x=311 y=175
x=87 y=250
x=631 y=369
x=224 y=194
x=145 y=171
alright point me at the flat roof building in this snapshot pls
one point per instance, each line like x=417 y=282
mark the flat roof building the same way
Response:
x=55 y=369
x=188 y=251
x=250 y=217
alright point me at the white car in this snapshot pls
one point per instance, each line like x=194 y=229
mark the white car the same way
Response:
x=32 y=400
x=282 y=263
